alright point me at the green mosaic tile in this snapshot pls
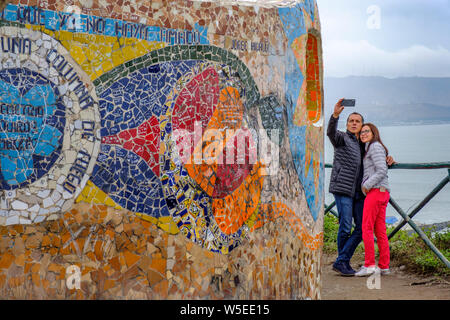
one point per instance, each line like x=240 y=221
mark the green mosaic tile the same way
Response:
x=186 y=52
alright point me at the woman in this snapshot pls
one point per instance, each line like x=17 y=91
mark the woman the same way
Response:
x=376 y=188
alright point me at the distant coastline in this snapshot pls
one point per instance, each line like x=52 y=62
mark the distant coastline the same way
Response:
x=415 y=123
x=439 y=227
x=383 y=123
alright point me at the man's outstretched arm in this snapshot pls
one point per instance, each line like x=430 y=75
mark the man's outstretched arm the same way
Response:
x=336 y=137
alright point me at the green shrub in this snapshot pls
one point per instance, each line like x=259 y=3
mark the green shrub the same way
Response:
x=330 y=231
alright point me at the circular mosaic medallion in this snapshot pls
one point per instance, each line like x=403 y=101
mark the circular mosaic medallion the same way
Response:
x=32 y=121
x=48 y=127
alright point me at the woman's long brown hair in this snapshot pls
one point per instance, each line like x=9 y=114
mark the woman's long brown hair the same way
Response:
x=376 y=135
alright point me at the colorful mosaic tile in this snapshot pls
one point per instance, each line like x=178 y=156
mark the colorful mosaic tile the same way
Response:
x=304 y=99
x=164 y=150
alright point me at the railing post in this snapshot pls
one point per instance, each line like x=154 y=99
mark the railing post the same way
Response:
x=330 y=209
x=422 y=204
x=420 y=233
x=327 y=209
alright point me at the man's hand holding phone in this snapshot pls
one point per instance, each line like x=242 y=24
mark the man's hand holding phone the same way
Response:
x=341 y=104
x=348 y=102
x=338 y=109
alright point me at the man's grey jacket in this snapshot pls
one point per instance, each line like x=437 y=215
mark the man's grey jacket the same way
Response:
x=346 y=175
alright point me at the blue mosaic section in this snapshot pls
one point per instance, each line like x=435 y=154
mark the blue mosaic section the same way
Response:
x=82 y=23
x=297 y=141
x=129 y=181
x=32 y=120
x=293 y=22
x=126 y=104
x=309 y=7
x=131 y=100
x=294 y=27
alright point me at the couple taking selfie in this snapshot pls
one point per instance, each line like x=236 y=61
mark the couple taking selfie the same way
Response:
x=359 y=183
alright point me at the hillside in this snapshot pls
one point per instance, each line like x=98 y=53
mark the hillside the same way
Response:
x=392 y=101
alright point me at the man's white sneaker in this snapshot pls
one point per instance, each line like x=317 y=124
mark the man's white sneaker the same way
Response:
x=365 y=271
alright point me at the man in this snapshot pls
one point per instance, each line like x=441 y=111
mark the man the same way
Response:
x=345 y=185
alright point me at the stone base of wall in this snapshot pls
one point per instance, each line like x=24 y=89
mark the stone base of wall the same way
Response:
x=121 y=256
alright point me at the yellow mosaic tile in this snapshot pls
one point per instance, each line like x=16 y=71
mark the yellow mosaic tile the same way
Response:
x=165 y=223
x=92 y=194
x=93 y=52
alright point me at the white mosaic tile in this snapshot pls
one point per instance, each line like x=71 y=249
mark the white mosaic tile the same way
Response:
x=19 y=205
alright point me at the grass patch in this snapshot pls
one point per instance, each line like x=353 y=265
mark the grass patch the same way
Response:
x=405 y=249
x=330 y=228
x=411 y=251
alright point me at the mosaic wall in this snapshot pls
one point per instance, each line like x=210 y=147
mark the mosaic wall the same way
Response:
x=154 y=150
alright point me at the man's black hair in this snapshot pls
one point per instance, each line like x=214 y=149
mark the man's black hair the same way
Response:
x=362 y=118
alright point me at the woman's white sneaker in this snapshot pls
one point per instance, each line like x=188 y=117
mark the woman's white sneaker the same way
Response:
x=365 y=271
x=385 y=272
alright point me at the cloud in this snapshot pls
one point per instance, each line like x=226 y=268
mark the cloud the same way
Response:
x=344 y=58
x=412 y=39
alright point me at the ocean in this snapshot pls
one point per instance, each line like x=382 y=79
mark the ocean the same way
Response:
x=412 y=144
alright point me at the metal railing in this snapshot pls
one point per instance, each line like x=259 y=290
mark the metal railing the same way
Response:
x=407 y=219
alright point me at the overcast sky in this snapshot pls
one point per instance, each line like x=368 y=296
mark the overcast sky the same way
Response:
x=390 y=38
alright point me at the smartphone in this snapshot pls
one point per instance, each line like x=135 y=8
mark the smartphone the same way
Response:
x=348 y=102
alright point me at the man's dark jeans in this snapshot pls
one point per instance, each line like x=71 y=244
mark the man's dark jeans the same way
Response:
x=349 y=209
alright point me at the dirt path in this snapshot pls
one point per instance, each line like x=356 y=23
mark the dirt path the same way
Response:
x=396 y=286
